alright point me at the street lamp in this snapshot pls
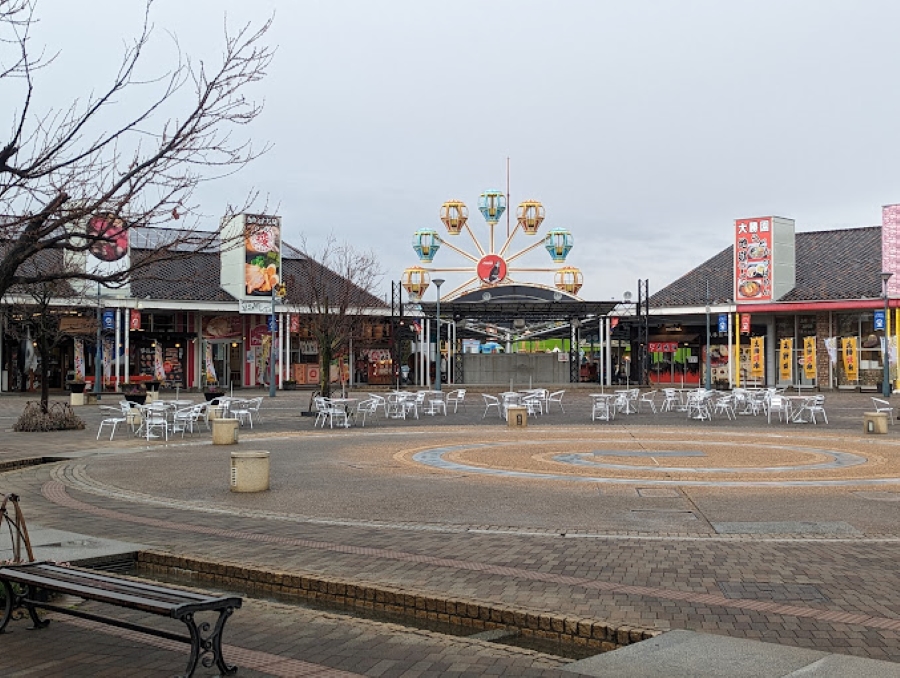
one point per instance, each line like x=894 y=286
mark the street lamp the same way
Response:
x=277 y=291
x=437 y=372
x=98 y=358
x=886 y=380
x=708 y=357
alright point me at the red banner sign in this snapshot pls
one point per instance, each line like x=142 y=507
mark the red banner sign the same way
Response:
x=745 y=322
x=134 y=321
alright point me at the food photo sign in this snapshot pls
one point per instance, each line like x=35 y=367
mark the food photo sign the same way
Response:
x=262 y=250
x=753 y=259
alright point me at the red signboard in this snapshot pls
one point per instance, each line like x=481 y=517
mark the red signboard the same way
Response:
x=134 y=321
x=745 y=322
x=753 y=259
x=492 y=268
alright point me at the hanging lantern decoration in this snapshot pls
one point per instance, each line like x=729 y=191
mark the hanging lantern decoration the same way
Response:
x=415 y=281
x=558 y=243
x=454 y=215
x=492 y=205
x=426 y=243
x=568 y=279
x=529 y=216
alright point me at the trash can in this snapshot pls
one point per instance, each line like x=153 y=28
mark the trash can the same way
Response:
x=516 y=417
x=224 y=431
x=250 y=471
x=875 y=422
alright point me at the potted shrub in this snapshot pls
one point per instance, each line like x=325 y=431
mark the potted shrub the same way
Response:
x=136 y=393
x=289 y=384
x=77 y=385
x=153 y=386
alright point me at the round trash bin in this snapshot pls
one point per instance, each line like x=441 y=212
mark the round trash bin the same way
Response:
x=224 y=431
x=249 y=471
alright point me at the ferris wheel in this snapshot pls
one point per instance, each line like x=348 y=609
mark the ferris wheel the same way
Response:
x=488 y=265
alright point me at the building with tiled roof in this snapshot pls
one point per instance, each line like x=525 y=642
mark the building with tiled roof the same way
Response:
x=822 y=329
x=189 y=321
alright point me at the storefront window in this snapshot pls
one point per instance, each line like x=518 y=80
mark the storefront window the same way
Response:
x=861 y=327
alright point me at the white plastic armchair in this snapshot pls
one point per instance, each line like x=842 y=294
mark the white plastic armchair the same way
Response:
x=556 y=397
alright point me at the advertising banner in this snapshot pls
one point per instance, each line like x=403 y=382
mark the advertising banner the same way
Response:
x=809 y=357
x=850 y=357
x=134 y=319
x=745 y=322
x=211 y=376
x=831 y=347
x=262 y=249
x=785 y=361
x=109 y=320
x=79 y=359
x=757 y=357
x=159 y=370
x=753 y=259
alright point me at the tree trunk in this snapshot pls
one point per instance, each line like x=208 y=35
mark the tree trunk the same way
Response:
x=325 y=355
x=44 y=344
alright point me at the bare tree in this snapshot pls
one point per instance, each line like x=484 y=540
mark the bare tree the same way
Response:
x=63 y=166
x=334 y=293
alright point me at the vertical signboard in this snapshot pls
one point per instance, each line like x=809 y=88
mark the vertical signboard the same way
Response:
x=764 y=259
x=849 y=353
x=753 y=259
x=809 y=357
x=890 y=246
x=786 y=364
x=262 y=245
x=757 y=357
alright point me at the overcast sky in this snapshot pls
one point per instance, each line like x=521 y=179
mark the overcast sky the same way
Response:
x=645 y=128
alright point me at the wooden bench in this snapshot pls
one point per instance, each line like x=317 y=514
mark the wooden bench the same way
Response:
x=23 y=584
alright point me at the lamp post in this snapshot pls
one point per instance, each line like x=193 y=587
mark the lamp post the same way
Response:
x=98 y=358
x=279 y=291
x=886 y=380
x=708 y=357
x=437 y=342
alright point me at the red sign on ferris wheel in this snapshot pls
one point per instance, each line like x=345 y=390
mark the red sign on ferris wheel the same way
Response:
x=492 y=268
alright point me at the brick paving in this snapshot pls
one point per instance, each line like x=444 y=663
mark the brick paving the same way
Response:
x=790 y=562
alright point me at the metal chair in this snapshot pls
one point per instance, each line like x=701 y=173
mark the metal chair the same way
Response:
x=457 y=397
x=556 y=397
x=111 y=421
x=491 y=402
x=648 y=398
x=883 y=406
x=364 y=407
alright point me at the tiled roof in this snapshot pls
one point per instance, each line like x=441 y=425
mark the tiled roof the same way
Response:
x=196 y=277
x=842 y=264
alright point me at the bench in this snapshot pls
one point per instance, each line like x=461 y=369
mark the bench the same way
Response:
x=22 y=585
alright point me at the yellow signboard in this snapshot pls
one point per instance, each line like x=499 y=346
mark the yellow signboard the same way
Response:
x=809 y=357
x=850 y=357
x=785 y=364
x=757 y=357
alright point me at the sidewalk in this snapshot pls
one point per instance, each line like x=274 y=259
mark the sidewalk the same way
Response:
x=566 y=519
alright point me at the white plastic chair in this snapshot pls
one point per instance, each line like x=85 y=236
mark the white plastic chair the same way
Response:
x=778 y=404
x=491 y=402
x=882 y=406
x=603 y=408
x=672 y=400
x=556 y=397
x=457 y=397
x=648 y=398
x=725 y=404
x=110 y=420
x=364 y=407
x=818 y=407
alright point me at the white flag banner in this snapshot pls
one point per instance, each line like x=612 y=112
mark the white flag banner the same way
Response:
x=831 y=347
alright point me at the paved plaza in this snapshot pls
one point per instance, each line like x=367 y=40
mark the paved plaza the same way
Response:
x=783 y=533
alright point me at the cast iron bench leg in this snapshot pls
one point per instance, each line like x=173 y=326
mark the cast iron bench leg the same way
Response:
x=207 y=649
x=14 y=601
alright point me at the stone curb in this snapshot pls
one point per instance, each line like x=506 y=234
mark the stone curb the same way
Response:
x=546 y=626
